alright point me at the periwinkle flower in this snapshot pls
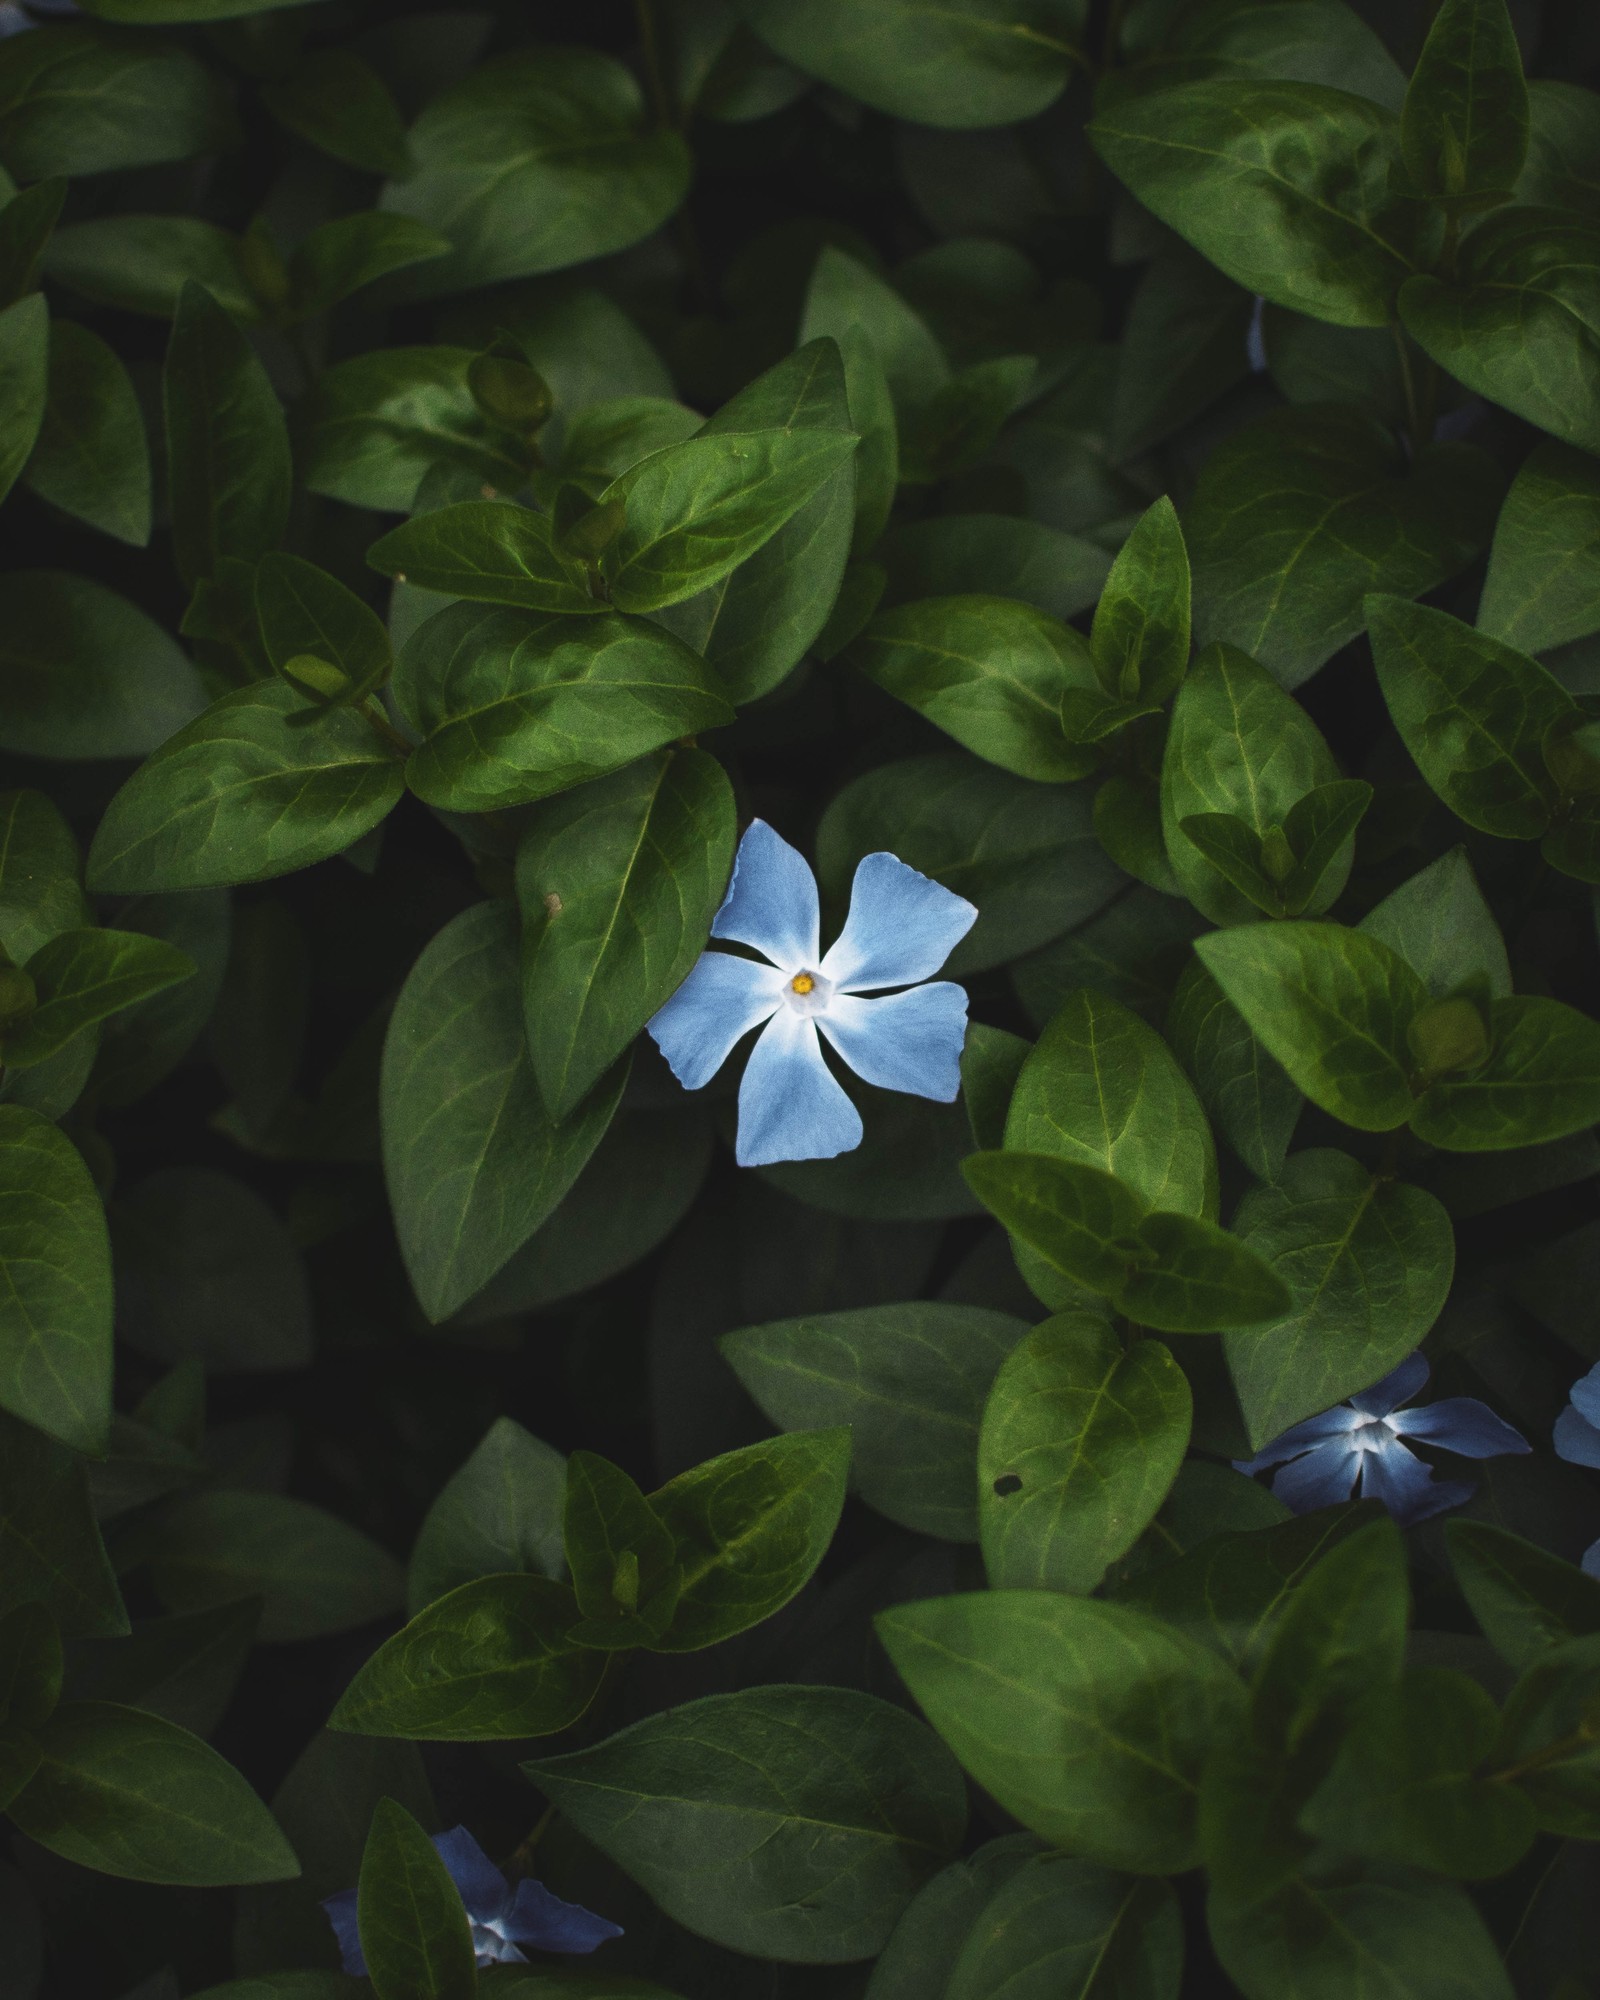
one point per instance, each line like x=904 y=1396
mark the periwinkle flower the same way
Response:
x=901 y=928
x=1364 y=1443
x=1577 y=1439
x=506 y=1918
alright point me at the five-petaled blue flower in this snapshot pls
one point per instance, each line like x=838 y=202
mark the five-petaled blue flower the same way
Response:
x=1365 y=1441
x=504 y=1918
x=901 y=928
x=1578 y=1439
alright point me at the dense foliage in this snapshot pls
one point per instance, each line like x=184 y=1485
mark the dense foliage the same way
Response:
x=1130 y=1530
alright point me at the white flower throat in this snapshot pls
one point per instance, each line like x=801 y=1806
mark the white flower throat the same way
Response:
x=808 y=992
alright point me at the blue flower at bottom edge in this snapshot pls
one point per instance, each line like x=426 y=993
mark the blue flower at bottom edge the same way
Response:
x=1577 y=1439
x=901 y=928
x=1364 y=1442
x=504 y=1918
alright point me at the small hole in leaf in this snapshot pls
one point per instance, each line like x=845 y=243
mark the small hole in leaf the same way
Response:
x=1007 y=1483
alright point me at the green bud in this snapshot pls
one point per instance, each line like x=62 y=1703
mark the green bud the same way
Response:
x=1448 y=1036
x=315 y=677
x=509 y=390
x=625 y=1581
x=1277 y=856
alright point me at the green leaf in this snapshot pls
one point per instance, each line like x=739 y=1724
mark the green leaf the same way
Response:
x=50 y=1547
x=1239 y=747
x=92 y=459
x=1441 y=926
x=473 y=1162
x=315 y=1573
x=750 y=1528
x=1246 y=1093
x=1540 y=1082
x=413 y=1926
x=1285 y=187
x=1517 y=322
x=1543 y=585
x=26 y=221
x=976 y=62
x=989 y=671
x=501 y=1511
x=373 y=426
x=696 y=510
x=227 y=446
x=487 y=550
x=618 y=882
x=1080 y=1443
x=1296 y=518
x=1525 y=1599
x=909 y=1380
x=141 y=263
x=302 y=610
x=512 y=707
x=1192 y=1277
x=24 y=373
x=1402 y=1788
x=185 y=1668
x=1140 y=638
x=76 y=102
x=792 y=1822
x=1473 y=713
x=242 y=795
x=1369 y=1264
x=1547 y=1739
x=81 y=977
x=1332 y=1005
x=535 y=161
x=55 y=1307
x=996 y=554
x=339 y=104
x=625 y=1573
x=128 y=1794
x=491 y=1659
x=1062 y=1926
x=142 y=1045
x=1086 y=1721
x=30 y=1665
x=340 y=257
x=1025 y=854
x=942 y=1915
x=41 y=876
x=1183 y=346
x=1464 y=129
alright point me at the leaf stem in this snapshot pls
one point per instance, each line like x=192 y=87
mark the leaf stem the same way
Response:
x=380 y=724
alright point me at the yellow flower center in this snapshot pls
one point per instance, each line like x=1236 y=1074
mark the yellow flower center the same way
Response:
x=802 y=982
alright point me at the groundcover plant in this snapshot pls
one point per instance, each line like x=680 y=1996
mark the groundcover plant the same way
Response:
x=799 y=817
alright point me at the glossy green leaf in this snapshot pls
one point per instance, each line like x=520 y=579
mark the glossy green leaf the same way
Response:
x=1295 y=519
x=989 y=671
x=41 y=875
x=1080 y=1442
x=534 y=161
x=909 y=1380
x=489 y=551
x=1087 y=1721
x=30 y=1665
x=1525 y=1599
x=50 y=1548
x=499 y=1512
x=26 y=222
x=1543 y=585
x=473 y=1162
x=1246 y=1092
x=414 y=1931
x=512 y=707
x=143 y=1044
x=749 y=1529
x=625 y=1572
x=973 y=554
x=141 y=264
x=242 y=794
x=1546 y=1741
x=339 y=104
x=618 y=882
x=91 y=458
x=55 y=1308
x=1140 y=637
x=76 y=102
x=1444 y=930
x=491 y=1659
x=24 y=367
x=1060 y=1925
x=1541 y=1081
x=1183 y=346
x=1332 y=1005
x=1369 y=1263
x=1464 y=129
x=128 y=1794
x=82 y=976
x=303 y=610
x=341 y=257
x=779 y=1821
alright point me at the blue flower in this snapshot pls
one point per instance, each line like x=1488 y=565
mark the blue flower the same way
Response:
x=504 y=1918
x=901 y=928
x=1364 y=1442
x=1578 y=1439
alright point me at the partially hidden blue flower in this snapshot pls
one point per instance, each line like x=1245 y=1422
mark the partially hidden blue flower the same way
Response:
x=506 y=1920
x=1577 y=1439
x=1365 y=1443
x=901 y=928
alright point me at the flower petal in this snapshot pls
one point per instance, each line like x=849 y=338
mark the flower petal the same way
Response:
x=901 y=928
x=1335 y=1423
x=723 y=998
x=1398 y=1386
x=1323 y=1478
x=1586 y=1396
x=483 y=1888
x=1577 y=1440
x=907 y=1041
x=341 y=1911
x=1407 y=1487
x=1460 y=1424
x=542 y=1920
x=790 y=1106
x=772 y=901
